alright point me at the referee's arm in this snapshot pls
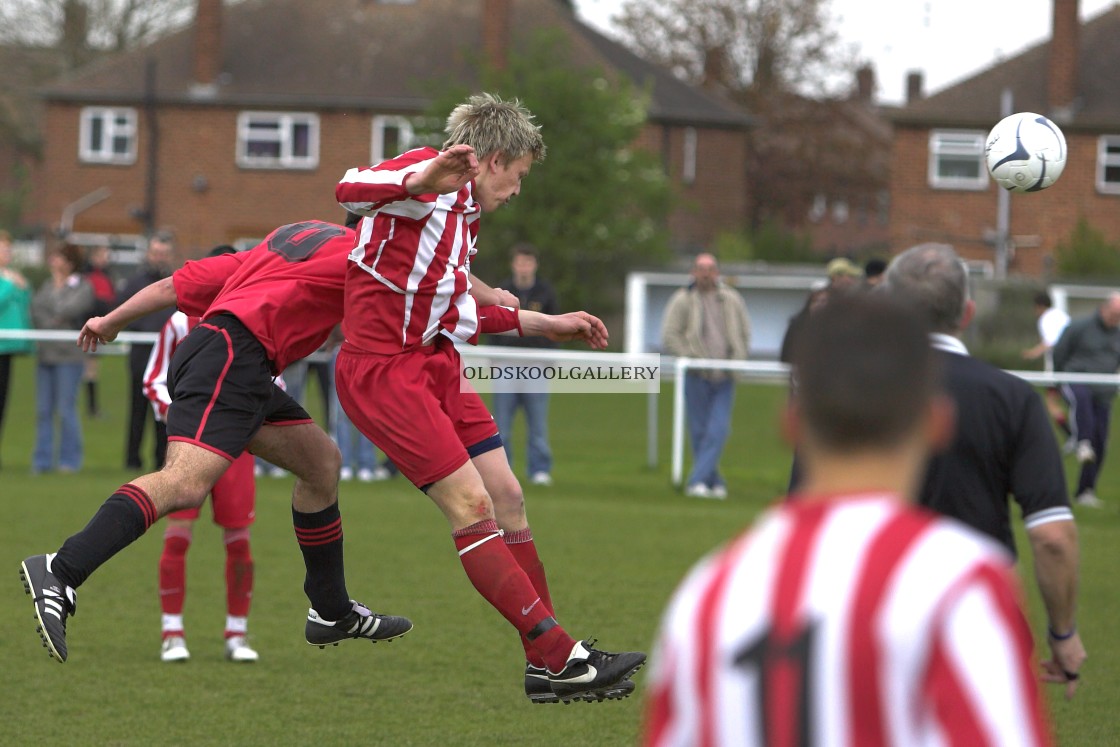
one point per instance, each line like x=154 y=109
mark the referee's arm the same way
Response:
x=1054 y=546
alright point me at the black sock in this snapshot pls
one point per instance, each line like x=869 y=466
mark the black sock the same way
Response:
x=320 y=540
x=125 y=516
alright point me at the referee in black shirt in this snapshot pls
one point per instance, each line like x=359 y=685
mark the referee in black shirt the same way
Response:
x=1004 y=446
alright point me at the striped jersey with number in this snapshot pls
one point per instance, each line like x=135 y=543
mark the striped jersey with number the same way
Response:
x=856 y=621
x=410 y=269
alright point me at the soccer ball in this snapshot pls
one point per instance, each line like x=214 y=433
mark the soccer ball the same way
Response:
x=1026 y=152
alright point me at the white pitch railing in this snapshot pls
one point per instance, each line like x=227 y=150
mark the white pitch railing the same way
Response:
x=764 y=372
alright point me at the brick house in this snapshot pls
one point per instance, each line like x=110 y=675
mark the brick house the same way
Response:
x=245 y=120
x=940 y=188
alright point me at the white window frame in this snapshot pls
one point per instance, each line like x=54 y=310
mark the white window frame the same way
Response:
x=285 y=124
x=381 y=122
x=958 y=144
x=1106 y=160
x=688 y=166
x=111 y=129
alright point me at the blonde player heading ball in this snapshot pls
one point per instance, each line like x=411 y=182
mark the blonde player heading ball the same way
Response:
x=848 y=616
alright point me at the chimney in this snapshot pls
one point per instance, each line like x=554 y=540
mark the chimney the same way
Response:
x=207 y=46
x=1061 y=86
x=865 y=84
x=495 y=32
x=914 y=86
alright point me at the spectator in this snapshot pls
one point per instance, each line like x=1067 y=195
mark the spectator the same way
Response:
x=157 y=264
x=15 y=313
x=536 y=295
x=1004 y=445
x=873 y=270
x=63 y=301
x=1051 y=323
x=849 y=617
x=1091 y=344
x=707 y=319
x=843 y=274
x=817 y=298
x=104 y=299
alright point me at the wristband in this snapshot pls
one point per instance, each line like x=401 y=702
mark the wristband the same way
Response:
x=1065 y=637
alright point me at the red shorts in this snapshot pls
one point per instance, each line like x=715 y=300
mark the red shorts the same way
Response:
x=411 y=407
x=232 y=499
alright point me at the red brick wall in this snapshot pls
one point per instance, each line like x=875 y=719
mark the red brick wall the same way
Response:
x=200 y=143
x=717 y=201
x=961 y=217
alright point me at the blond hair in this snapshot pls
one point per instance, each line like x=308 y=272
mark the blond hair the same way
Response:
x=490 y=125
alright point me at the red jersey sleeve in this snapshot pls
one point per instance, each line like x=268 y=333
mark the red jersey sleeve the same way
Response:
x=494 y=320
x=198 y=282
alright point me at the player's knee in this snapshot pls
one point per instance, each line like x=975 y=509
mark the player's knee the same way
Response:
x=176 y=540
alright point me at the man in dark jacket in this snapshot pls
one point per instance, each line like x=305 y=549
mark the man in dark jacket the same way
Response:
x=533 y=294
x=158 y=264
x=1090 y=344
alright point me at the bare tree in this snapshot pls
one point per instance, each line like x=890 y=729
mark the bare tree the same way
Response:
x=76 y=27
x=749 y=47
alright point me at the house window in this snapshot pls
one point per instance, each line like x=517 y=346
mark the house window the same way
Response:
x=956 y=160
x=391 y=137
x=688 y=169
x=276 y=140
x=1108 y=164
x=107 y=135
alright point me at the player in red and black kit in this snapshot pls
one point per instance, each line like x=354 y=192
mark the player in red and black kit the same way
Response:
x=409 y=293
x=260 y=310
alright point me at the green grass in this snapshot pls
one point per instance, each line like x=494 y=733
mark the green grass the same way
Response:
x=614 y=535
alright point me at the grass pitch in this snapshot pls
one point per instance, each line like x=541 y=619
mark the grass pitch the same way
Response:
x=615 y=537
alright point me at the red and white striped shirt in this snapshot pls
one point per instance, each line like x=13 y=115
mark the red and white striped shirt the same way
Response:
x=409 y=275
x=854 y=622
x=155 y=374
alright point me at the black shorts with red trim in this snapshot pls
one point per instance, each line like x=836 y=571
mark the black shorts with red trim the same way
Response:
x=222 y=389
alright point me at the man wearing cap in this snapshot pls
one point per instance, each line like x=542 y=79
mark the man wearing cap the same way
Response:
x=707 y=319
x=843 y=273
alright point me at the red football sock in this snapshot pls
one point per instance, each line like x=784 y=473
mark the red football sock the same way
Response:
x=239 y=572
x=524 y=551
x=173 y=569
x=496 y=575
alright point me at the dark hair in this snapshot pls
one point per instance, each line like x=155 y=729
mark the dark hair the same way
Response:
x=1042 y=298
x=73 y=254
x=352 y=219
x=524 y=248
x=865 y=371
x=221 y=249
x=874 y=267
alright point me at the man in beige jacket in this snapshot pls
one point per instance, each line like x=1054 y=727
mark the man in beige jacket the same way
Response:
x=707 y=319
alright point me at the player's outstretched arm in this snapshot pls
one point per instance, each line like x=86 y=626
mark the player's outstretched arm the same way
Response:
x=446 y=173
x=103 y=329
x=575 y=325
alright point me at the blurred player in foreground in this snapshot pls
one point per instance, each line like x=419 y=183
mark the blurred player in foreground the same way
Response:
x=409 y=294
x=233 y=501
x=849 y=617
x=261 y=310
